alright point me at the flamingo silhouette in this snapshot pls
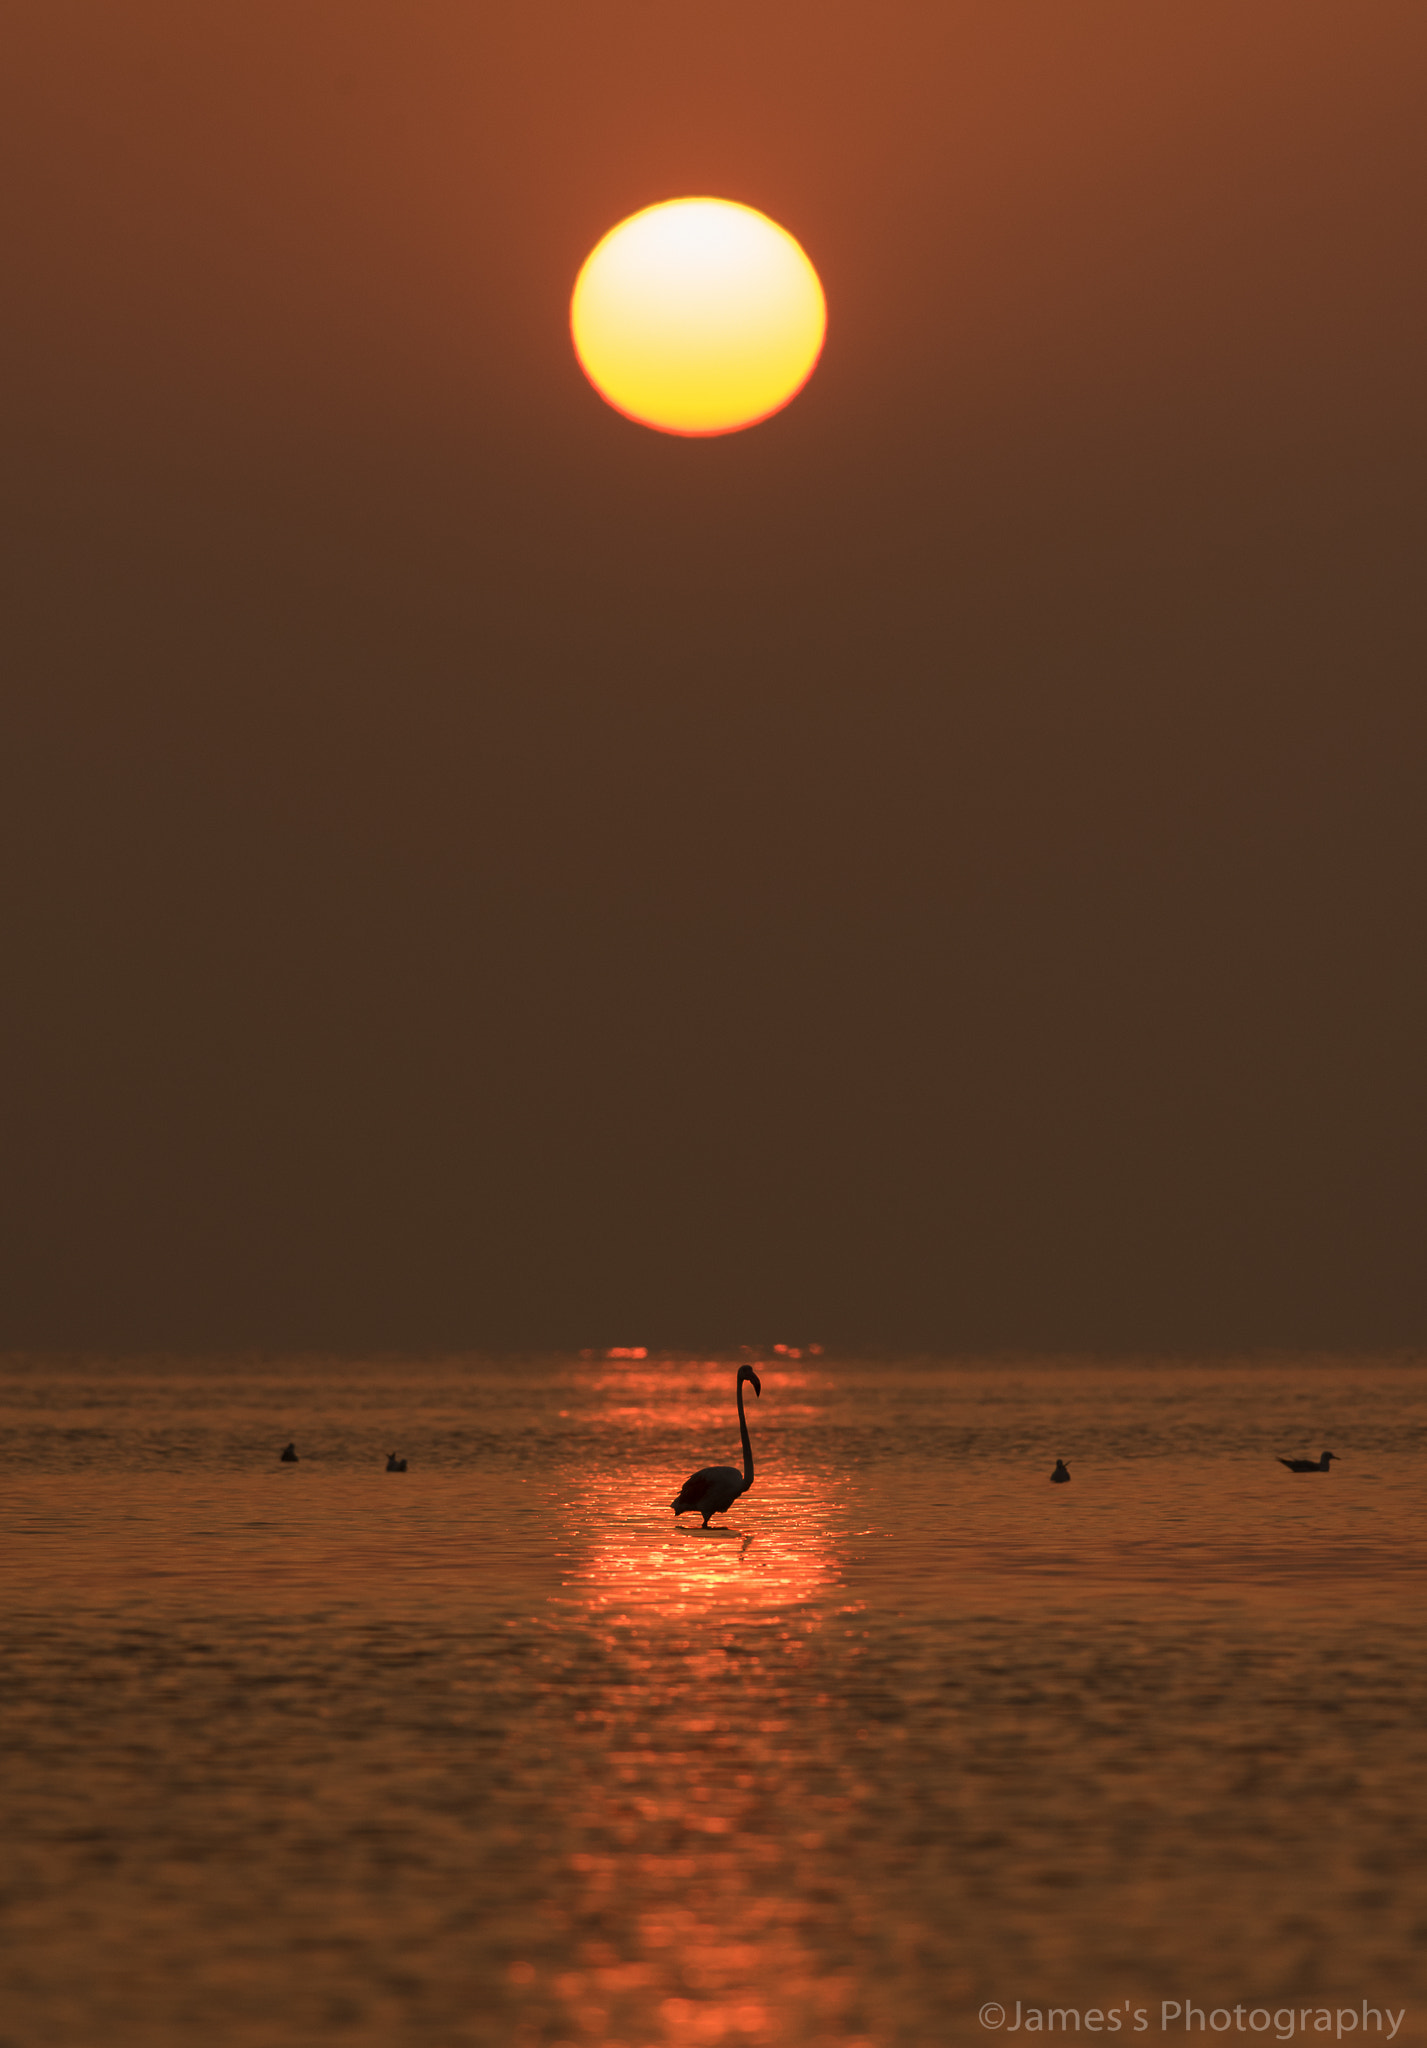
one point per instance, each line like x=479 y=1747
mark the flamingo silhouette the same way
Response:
x=714 y=1490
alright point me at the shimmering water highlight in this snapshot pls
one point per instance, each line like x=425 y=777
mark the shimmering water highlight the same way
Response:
x=492 y=1752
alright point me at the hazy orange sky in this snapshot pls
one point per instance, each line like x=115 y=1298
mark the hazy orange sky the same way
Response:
x=944 y=867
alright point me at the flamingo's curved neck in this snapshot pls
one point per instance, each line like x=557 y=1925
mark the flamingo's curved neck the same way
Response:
x=747 y=1444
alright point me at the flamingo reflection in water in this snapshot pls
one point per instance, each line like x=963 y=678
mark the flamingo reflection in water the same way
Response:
x=714 y=1490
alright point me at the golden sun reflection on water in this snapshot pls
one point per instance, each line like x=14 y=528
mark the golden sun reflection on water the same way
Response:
x=674 y=1841
x=778 y=1546
x=494 y=1754
x=636 y=1564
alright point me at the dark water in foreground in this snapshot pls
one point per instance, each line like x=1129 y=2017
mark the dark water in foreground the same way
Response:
x=493 y=1753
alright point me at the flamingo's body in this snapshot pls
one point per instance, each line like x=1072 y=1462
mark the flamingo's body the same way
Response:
x=714 y=1490
x=1060 y=1476
x=1310 y=1464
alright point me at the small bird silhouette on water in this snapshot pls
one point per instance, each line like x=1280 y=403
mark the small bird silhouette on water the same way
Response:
x=395 y=1464
x=1060 y=1476
x=1310 y=1464
x=289 y=1456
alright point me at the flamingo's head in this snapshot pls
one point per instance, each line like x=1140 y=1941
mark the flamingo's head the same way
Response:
x=746 y=1372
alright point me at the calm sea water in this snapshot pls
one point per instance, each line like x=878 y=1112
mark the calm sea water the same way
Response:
x=493 y=1752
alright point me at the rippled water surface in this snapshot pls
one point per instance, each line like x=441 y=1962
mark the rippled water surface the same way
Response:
x=493 y=1752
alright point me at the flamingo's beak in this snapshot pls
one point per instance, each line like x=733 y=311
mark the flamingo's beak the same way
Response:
x=757 y=1385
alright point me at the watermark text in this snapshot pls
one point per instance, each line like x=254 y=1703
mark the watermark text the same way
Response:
x=1182 y=2015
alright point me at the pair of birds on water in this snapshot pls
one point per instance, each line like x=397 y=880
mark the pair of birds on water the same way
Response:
x=1294 y=1465
x=1061 y=1475
x=290 y=1457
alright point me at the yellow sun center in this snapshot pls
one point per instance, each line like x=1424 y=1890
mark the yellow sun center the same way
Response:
x=698 y=316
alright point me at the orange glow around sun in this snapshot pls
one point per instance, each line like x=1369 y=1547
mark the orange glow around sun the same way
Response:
x=698 y=316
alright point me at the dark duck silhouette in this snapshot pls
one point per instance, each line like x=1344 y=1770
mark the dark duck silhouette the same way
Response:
x=1310 y=1464
x=393 y=1463
x=714 y=1490
x=289 y=1456
x=1060 y=1477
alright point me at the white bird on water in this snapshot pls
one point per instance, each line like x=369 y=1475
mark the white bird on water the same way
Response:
x=714 y=1490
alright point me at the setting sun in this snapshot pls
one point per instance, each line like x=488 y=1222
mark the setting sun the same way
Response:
x=698 y=316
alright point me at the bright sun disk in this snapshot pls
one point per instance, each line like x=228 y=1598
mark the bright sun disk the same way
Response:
x=698 y=316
